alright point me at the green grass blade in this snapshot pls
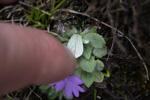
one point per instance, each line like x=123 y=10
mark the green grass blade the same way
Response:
x=58 y=5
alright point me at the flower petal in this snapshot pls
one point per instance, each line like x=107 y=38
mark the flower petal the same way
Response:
x=75 y=80
x=52 y=84
x=60 y=85
x=68 y=89
x=75 y=91
x=80 y=89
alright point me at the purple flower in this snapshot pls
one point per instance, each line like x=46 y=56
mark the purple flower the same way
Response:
x=70 y=84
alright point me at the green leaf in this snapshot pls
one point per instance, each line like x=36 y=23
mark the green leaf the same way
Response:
x=70 y=30
x=85 y=41
x=99 y=65
x=62 y=39
x=87 y=65
x=96 y=40
x=88 y=78
x=107 y=74
x=78 y=72
x=89 y=30
x=87 y=51
x=60 y=95
x=52 y=94
x=100 y=52
x=99 y=76
x=44 y=88
x=52 y=90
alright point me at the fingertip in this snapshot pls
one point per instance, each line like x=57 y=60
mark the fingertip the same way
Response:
x=31 y=56
x=62 y=65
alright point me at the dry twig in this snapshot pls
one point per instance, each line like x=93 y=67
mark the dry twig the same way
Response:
x=35 y=8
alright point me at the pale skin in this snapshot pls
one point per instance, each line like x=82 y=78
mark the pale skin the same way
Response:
x=31 y=56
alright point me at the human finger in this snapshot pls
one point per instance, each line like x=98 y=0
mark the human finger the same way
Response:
x=31 y=56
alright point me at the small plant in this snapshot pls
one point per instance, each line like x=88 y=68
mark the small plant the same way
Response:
x=87 y=47
x=55 y=7
x=37 y=19
x=40 y=19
